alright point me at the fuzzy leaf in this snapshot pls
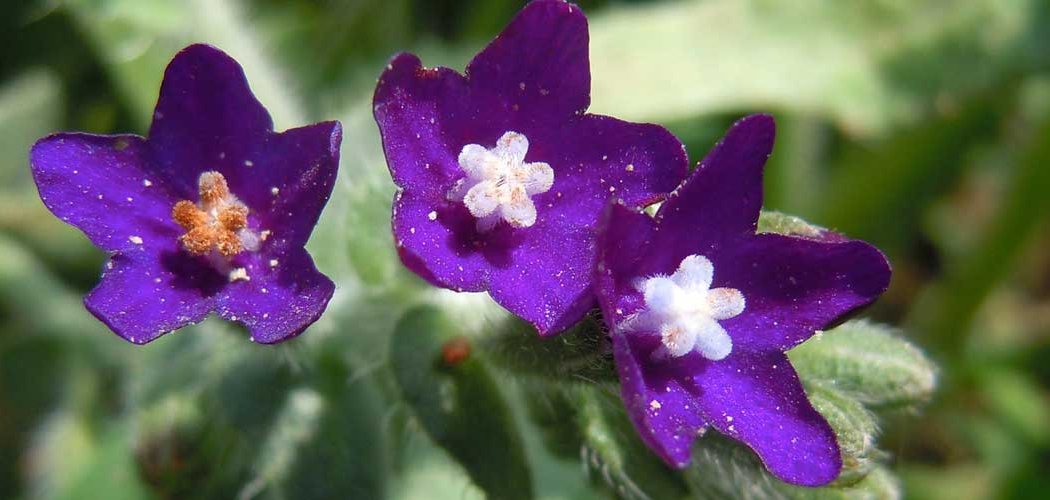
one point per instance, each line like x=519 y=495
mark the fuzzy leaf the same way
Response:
x=855 y=429
x=614 y=453
x=582 y=354
x=549 y=408
x=725 y=469
x=781 y=223
x=458 y=403
x=868 y=362
x=346 y=456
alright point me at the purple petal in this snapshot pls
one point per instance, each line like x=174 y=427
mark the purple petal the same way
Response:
x=795 y=286
x=439 y=242
x=105 y=186
x=291 y=180
x=149 y=291
x=120 y=191
x=540 y=59
x=422 y=114
x=660 y=405
x=207 y=119
x=284 y=295
x=724 y=193
x=597 y=158
x=757 y=398
x=623 y=239
x=753 y=397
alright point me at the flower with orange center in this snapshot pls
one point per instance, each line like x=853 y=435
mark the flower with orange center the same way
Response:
x=217 y=222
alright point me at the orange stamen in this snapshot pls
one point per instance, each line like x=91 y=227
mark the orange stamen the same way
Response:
x=187 y=215
x=215 y=221
x=213 y=188
x=233 y=217
x=199 y=240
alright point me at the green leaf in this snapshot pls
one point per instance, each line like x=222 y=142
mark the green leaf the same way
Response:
x=725 y=469
x=549 y=408
x=581 y=354
x=345 y=455
x=75 y=460
x=781 y=223
x=458 y=403
x=867 y=362
x=949 y=307
x=30 y=108
x=137 y=38
x=615 y=454
x=855 y=429
x=866 y=65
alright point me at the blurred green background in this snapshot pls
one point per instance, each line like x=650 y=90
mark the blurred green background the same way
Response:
x=920 y=126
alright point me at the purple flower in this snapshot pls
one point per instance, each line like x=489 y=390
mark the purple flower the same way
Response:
x=502 y=175
x=701 y=310
x=210 y=213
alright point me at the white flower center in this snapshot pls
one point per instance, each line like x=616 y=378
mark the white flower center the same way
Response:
x=684 y=310
x=499 y=184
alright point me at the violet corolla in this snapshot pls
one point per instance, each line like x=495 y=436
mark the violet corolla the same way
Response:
x=210 y=213
x=701 y=310
x=502 y=174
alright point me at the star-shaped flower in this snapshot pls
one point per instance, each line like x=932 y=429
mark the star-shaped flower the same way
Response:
x=702 y=310
x=209 y=213
x=502 y=175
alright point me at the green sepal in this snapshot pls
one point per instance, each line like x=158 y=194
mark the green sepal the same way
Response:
x=868 y=362
x=780 y=223
x=856 y=431
x=725 y=469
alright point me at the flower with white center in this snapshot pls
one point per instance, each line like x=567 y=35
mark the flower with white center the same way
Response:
x=685 y=311
x=499 y=184
x=474 y=154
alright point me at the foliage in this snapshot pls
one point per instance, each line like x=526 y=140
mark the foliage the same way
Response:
x=920 y=126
